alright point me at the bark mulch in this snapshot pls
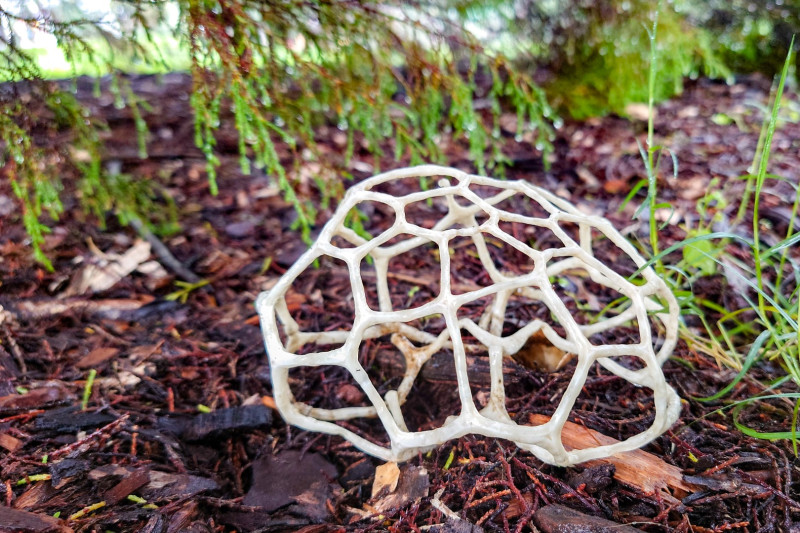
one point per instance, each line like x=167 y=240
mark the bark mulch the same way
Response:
x=178 y=433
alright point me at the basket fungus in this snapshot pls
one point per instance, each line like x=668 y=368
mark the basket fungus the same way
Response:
x=548 y=238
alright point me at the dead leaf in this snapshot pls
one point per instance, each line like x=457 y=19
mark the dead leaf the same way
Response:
x=638 y=111
x=96 y=357
x=107 y=270
x=386 y=475
x=538 y=353
x=637 y=468
x=412 y=486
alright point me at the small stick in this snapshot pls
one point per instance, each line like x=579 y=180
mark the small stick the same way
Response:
x=163 y=253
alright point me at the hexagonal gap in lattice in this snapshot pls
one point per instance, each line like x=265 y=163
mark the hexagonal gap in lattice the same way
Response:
x=543 y=238
x=571 y=233
x=520 y=204
x=320 y=300
x=467 y=269
x=326 y=387
x=609 y=253
x=369 y=218
x=426 y=214
x=531 y=394
x=539 y=202
x=438 y=380
x=383 y=362
x=413 y=277
x=330 y=390
x=612 y=406
x=524 y=306
x=507 y=259
x=344 y=242
x=396 y=362
x=607 y=314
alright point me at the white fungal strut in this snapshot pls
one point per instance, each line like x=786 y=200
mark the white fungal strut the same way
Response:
x=555 y=242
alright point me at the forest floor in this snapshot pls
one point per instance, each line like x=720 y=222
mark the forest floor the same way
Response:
x=178 y=433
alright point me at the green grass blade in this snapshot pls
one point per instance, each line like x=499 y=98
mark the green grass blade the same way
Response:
x=752 y=357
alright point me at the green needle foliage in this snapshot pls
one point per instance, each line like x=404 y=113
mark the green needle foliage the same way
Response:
x=44 y=130
x=404 y=71
x=399 y=76
x=378 y=70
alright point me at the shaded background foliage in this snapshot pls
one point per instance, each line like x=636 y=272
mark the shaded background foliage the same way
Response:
x=407 y=71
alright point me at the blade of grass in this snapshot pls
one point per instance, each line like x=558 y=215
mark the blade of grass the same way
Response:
x=752 y=356
x=762 y=172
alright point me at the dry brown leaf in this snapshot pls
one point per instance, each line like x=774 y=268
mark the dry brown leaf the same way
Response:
x=386 y=475
x=538 y=353
x=97 y=357
x=107 y=269
x=637 y=469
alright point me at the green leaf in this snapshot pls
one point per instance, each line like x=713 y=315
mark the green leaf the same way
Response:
x=700 y=254
x=721 y=119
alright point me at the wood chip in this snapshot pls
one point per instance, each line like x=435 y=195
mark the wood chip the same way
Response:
x=130 y=483
x=561 y=519
x=10 y=443
x=225 y=421
x=111 y=309
x=97 y=357
x=17 y=521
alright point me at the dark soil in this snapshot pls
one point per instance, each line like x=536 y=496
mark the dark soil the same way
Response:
x=162 y=363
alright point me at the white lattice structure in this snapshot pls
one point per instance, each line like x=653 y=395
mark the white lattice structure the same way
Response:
x=472 y=213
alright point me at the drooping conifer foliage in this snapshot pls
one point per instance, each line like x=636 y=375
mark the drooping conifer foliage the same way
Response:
x=401 y=70
x=395 y=76
x=398 y=70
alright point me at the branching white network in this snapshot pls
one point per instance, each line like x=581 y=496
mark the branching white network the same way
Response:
x=471 y=210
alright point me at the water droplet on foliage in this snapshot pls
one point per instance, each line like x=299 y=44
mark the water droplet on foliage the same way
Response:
x=518 y=137
x=558 y=123
x=539 y=145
